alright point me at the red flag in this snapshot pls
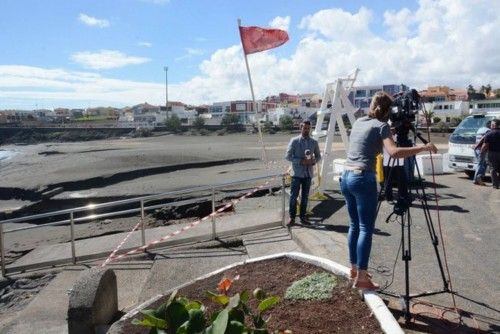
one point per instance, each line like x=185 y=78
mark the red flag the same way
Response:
x=255 y=39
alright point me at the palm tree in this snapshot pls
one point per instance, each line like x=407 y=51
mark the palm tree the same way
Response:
x=470 y=91
x=487 y=90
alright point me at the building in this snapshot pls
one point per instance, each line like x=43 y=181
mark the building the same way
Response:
x=442 y=93
x=142 y=115
x=484 y=105
x=309 y=100
x=446 y=111
x=361 y=96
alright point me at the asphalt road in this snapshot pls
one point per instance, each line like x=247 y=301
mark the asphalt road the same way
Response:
x=468 y=227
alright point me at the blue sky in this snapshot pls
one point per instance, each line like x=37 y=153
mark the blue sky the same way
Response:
x=82 y=53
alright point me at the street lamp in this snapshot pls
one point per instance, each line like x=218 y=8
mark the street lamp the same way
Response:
x=166 y=90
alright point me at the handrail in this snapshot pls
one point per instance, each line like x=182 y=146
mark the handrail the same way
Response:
x=101 y=215
x=142 y=199
x=130 y=200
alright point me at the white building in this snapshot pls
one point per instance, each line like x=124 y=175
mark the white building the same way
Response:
x=361 y=96
x=484 y=106
x=446 y=110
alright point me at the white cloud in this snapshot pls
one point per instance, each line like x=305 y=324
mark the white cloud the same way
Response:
x=49 y=86
x=145 y=44
x=398 y=22
x=195 y=52
x=337 y=24
x=446 y=42
x=279 y=22
x=105 y=59
x=92 y=21
x=191 y=52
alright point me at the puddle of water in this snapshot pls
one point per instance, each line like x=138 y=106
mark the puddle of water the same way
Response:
x=82 y=194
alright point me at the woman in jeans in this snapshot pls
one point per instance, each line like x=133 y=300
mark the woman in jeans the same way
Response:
x=369 y=134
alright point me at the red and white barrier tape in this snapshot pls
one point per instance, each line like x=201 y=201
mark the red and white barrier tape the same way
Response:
x=114 y=257
x=113 y=253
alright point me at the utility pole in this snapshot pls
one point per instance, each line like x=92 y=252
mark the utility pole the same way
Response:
x=166 y=90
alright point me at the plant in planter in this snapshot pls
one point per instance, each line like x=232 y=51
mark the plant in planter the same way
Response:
x=180 y=315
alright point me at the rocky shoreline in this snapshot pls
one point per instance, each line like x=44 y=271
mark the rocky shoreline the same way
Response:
x=30 y=136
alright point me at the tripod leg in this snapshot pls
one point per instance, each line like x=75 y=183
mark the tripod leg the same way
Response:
x=432 y=231
x=406 y=253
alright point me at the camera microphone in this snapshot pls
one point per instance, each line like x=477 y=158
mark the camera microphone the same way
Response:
x=307 y=153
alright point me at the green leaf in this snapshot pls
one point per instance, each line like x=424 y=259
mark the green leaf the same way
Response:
x=220 y=324
x=235 y=327
x=245 y=296
x=193 y=305
x=183 y=329
x=143 y=322
x=237 y=314
x=196 y=321
x=150 y=316
x=176 y=315
x=218 y=299
x=161 y=312
x=182 y=300
x=268 y=303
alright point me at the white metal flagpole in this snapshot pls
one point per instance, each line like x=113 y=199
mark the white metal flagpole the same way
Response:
x=261 y=140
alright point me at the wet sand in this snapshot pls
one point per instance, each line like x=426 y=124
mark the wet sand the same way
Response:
x=99 y=171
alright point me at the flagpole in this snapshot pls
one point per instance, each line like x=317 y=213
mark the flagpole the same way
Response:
x=261 y=140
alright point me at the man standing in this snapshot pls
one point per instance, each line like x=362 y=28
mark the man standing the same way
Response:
x=303 y=152
x=492 y=146
x=481 y=156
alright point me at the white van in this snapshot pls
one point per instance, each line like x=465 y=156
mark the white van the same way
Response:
x=463 y=140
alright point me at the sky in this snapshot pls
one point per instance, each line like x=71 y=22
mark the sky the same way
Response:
x=89 y=53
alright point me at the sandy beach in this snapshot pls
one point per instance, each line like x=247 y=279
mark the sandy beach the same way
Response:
x=99 y=171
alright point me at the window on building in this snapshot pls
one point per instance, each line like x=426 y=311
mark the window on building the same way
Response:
x=361 y=93
x=373 y=91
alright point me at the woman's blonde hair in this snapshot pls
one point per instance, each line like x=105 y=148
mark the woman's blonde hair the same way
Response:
x=380 y=106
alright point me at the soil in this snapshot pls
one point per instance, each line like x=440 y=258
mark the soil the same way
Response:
x=344 y=312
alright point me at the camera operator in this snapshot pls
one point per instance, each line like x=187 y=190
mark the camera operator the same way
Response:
x=358 y=184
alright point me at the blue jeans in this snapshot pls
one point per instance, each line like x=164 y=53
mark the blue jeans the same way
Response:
x=297 y=183
x=481 y=164
x=360 y=192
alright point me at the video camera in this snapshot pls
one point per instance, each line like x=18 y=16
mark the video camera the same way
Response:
x=404 y=108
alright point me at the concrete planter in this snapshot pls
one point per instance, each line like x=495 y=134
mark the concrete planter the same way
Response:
x=374 y=302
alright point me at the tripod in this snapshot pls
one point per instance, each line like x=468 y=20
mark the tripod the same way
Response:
x=403 y=214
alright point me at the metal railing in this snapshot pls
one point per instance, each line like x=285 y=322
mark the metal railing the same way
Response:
x=142 y=209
